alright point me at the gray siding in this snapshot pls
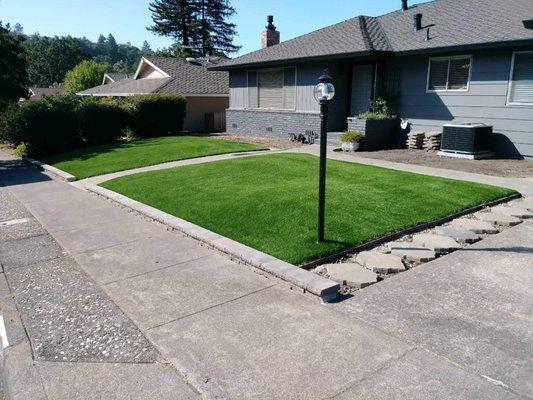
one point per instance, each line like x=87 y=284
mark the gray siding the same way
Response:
x=484 y=102
x=307 y=108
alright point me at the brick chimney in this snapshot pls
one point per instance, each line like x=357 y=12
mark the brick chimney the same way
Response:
x=270 y=36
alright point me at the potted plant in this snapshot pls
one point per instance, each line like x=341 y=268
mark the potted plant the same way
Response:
x=351 y=140
x=377 y=125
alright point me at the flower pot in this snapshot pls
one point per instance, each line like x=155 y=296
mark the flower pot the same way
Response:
x=349 y=146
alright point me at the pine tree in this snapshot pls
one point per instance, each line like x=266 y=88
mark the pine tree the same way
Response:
x=215 y=35
x=200 y=27
x=173 y=18
x=146 y=49
x=112 y=49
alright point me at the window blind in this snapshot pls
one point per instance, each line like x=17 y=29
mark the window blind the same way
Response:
x=522 y=79
x=272 y=89
x=449 y=73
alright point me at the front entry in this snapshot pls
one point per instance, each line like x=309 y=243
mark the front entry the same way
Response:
x=362 y=83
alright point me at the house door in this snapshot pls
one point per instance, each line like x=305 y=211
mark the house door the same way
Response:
x=362 y=84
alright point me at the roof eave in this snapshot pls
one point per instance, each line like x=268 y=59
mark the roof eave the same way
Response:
x=468 y=47
x=298 y=60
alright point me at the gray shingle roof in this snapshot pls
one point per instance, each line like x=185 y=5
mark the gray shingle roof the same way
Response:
x=117 y=76
x=459 y=23
x=39 y=92
x=191 y=78
x=126 y=87
x=185 y=78
x=456 y=23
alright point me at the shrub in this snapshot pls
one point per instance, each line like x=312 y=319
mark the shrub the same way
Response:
x=379 y=109
x=85 y=75
x=48 y=126
x=156 y=114
x=102 y=123
x=352 y=135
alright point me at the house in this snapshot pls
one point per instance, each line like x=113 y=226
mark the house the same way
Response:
x=111 y=77
x=36 y=93
x=443 y=61
x=207 y=92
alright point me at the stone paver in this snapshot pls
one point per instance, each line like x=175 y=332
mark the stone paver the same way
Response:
x=471 y=307
x=521 y=213
x=473 y=225
x=439 y=244
x=351 y=274
x=460 y=235
x=380 y=262
x=498 y=219
x=526 y=202
x=411 y=251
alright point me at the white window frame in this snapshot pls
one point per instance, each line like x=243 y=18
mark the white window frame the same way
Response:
x=509 y=84
x=247 y=107
x=449 y=58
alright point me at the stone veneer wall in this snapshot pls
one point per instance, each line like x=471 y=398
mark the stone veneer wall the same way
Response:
x=271 y=123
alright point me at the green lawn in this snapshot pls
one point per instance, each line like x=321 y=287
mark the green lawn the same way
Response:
x=115 y=157
x=269 y=202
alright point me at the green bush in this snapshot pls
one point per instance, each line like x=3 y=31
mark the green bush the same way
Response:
x=379 y=109
x=102 y=123
x=352 y=135
x=156 y=115
x=48 y=126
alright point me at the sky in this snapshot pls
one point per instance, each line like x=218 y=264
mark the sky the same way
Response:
x=127 y=19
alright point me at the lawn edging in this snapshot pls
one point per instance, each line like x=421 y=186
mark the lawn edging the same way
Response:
x=317 y=285
x=407 y=231
x=53 y=170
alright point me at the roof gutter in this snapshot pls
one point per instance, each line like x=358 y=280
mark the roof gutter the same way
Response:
x=301 y=59
x=467 y=47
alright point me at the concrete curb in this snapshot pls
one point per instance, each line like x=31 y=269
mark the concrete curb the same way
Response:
x=324 y=288
x=53 y=170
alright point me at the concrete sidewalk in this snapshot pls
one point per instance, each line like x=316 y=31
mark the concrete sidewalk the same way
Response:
x=220 y=330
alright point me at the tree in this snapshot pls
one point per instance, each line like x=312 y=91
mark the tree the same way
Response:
x=14 y=75
x=199 y=27
x=83 y=76
x=214 y=34
x=173 y=18
x=51 y=58
x=146 y=50
x=112 y=49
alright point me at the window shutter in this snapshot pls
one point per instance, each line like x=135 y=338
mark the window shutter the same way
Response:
x=522 y=79
x=270 y=89
x=252 y=89
x=438 y=74
x=289 y=89
x=458 y=75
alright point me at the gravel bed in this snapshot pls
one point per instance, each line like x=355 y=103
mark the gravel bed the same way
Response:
x=505 y=167
x=281 y=143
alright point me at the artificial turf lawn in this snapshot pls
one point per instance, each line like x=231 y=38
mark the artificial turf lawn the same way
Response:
x=269 y=202
x=105 y=159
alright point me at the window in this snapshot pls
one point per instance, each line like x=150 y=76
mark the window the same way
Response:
x=521 y=79
x=272 y=89
x=449 y=74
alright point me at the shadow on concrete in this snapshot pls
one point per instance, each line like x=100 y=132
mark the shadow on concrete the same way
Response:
x=18 y=172
x=517 y=249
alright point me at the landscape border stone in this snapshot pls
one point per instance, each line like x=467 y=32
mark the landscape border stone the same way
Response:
x=317 y=285
x=407 y=231
x=53 y=170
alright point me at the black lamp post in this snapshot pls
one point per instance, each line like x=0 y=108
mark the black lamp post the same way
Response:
x=323 y=92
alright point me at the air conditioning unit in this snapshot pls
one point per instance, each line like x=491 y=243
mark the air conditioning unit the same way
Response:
x=471 y=141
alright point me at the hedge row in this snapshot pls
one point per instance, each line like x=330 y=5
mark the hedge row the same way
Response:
x=57 y=124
